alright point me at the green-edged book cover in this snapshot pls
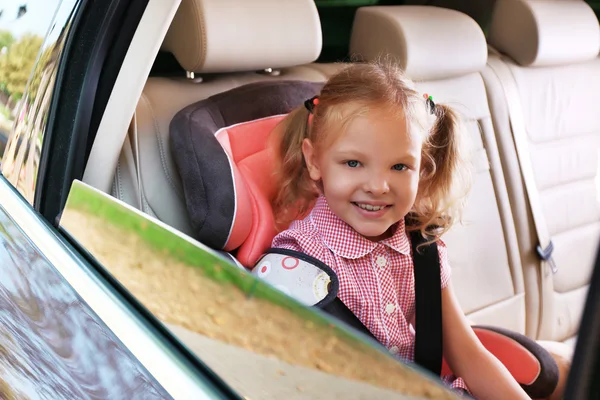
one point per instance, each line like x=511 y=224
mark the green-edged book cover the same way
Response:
x=261 y=342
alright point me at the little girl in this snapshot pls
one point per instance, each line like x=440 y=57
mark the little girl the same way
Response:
x=356 y=161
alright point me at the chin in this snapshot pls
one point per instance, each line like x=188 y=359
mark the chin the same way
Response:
x=371 y=233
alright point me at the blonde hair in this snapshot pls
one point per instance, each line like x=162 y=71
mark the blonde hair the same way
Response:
x=444 y=174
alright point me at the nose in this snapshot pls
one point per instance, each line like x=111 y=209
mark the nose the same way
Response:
x=377 y=184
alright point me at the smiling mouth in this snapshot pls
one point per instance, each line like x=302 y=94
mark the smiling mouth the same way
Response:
x=369 y=207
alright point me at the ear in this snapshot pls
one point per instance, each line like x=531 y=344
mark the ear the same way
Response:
x=310 y=157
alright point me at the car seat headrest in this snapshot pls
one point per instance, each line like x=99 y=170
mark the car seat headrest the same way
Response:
x=545 y=32
x=208 y=36
x=219 y=149
x=429 y=42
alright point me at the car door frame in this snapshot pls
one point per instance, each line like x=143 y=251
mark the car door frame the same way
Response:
x=583 y=380
x=94 y=52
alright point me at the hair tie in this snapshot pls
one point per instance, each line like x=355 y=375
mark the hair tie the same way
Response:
x=430 y=103
x=311 y=103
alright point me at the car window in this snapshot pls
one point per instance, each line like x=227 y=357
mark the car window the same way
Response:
x=32 y=36
x=258 y=340
x=336 y=18
x=595 y=4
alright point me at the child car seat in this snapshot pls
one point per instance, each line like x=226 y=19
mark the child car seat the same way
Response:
x=220 y=150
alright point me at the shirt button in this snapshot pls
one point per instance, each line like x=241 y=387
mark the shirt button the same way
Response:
x=390 y=308
x=381 y=261
x=394 y=350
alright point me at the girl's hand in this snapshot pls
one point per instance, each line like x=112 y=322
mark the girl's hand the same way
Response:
x=486 y=377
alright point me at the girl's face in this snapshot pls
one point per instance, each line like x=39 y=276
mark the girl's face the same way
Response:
x=370 y=174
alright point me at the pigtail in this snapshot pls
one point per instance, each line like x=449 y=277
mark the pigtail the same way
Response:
x=445 y=175
x=295 y=190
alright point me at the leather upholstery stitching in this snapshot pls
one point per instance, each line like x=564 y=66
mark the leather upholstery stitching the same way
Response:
x=118 y=182
x=199 y=16
x=161 y=149
x=147 y=208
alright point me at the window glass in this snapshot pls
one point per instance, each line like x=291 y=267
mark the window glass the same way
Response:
x=336 y=18
x=595 y=4
x=32 y=36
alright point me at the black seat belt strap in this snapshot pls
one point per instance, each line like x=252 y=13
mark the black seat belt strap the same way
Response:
x=428 y=300
x=339 y=310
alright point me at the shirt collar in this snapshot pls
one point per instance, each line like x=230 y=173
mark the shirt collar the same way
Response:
x=344 y=241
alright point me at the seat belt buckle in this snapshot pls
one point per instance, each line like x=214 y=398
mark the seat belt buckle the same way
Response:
x=546 y=255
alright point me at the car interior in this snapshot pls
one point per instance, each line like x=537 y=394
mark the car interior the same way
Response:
x=523 y=73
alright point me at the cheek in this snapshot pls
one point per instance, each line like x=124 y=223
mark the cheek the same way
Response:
x=408 y=184
x=338 y=182
x=414 y=180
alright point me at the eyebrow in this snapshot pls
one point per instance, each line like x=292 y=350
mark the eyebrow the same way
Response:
x=353 y=153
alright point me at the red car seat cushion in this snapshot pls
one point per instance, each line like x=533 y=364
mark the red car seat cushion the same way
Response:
x=218 y=159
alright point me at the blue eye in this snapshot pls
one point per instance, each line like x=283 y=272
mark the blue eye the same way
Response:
x=352 y=163
x=399 y=167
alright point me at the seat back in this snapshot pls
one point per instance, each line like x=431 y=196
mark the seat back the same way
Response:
x=550 y=49
x=220 y=59
x=445 y=51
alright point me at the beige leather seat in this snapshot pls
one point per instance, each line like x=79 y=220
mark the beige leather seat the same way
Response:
x=550 y=59
x=224 y=43
x=495 y=270
x=445 y=51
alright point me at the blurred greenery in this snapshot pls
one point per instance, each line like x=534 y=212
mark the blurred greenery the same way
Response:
x=17 y=62
x=5 y=111
x=6 y=39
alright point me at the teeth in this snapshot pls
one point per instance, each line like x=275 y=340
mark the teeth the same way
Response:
x=370 y=207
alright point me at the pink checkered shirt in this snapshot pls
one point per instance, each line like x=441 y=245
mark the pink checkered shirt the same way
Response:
x=376 y=278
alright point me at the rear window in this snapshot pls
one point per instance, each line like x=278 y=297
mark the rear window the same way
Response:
x=337 y=17
x=336 y=23
x=595 y=4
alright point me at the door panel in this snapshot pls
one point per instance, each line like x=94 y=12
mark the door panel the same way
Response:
x=65 y=332
x=51 y=344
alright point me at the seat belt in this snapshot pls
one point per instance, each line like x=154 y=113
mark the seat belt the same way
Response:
x=545 y=247
x=338 y=309
x=428 y=301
